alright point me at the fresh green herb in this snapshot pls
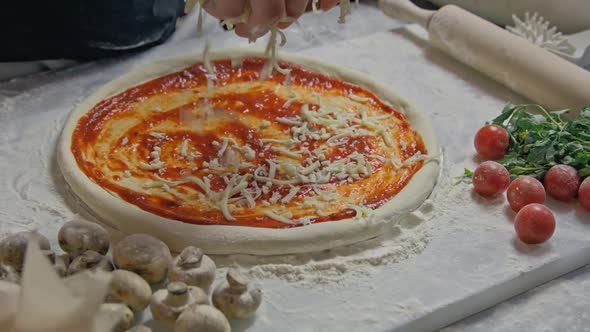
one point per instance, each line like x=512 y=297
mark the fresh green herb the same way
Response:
x=540 y=141
x=468 y=173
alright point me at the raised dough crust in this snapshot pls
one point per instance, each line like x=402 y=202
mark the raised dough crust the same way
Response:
x=128 y=218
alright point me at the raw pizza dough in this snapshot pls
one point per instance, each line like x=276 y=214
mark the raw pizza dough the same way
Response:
x=221 y=239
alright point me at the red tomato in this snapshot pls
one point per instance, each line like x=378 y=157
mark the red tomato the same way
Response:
x=562 y=182
x=490 y=179
x=534 y=224
x=491 y=142
x=584 y=194
x=523 y=191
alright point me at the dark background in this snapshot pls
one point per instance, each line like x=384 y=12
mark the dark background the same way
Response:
x=82 y=29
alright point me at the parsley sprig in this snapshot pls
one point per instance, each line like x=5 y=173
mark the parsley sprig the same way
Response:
x=540 y=141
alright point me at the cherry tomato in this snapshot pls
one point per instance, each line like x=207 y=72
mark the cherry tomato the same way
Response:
x=491 y=142
x=534 y=224
x=490 y=179
x=562 y=182
x=584 y=194
x=523 y=191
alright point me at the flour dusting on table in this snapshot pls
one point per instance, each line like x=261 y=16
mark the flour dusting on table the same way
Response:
x=335 y=265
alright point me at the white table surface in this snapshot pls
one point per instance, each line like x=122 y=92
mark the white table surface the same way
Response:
x=557 y=306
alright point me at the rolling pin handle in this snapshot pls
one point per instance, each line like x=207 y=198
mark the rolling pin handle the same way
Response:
x=406 y=11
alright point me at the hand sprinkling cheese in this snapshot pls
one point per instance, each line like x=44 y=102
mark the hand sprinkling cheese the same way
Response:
x=292 y=170
x=254 y=19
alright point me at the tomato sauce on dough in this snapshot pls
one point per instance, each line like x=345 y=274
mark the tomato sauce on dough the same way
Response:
x=202 y=151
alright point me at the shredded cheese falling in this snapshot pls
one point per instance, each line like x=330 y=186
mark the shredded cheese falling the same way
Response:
x=200 y=17
x=271 y=50
x=344 y=10
x=296 y=166
x=314 y=6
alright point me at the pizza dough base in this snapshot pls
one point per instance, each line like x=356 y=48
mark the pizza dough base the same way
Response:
x=128 y=218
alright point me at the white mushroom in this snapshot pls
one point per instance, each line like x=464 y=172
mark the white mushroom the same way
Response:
x=202 y=318
x=129 y=288
x=89 y=260
x=13 y=248
x=78 y=236
x=168 y=304
x=144 y=255
x=193 y=268
x=139 y=328
x=236 y=297
x=8 y=274
x=127 y=317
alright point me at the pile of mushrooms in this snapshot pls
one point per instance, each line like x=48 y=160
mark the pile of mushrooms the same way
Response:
x=140 y=262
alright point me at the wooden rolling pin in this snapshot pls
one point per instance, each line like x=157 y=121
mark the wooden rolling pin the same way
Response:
x=529 y=70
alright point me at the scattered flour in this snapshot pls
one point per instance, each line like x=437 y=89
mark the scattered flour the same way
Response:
x=335 y=265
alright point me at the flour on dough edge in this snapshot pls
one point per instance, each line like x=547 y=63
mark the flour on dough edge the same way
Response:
x=221 y=240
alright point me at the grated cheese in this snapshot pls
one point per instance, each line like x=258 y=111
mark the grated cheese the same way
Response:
x=418 y=156
x=152 y=166
x=292 y=98
x=184 y=148
x=286 y=153
x=361 y=211
x=200 y=17
x=358 y=98
x=292 y=192
x=155 y=163
x=158 y=135
x=314 y=6
x=344 y=10
x=206 y=62
x=271 y=50
x=278 y=217
x=249 y=153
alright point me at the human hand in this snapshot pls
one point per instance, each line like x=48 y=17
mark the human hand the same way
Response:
x=263 y=14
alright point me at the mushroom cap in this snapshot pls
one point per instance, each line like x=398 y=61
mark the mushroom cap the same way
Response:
x=199 y=295
x=89 y=260
x=78 y=236
x=202 y=318
x=177 y=288
x=126 y=319
x=144 y=255
x=131 y=289
x=237 y=279
x=193 y=268
x=168 y=304
x=190 y=257
x=14 y=247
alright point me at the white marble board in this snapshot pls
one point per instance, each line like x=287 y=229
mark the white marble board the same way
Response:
x=471 y=261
